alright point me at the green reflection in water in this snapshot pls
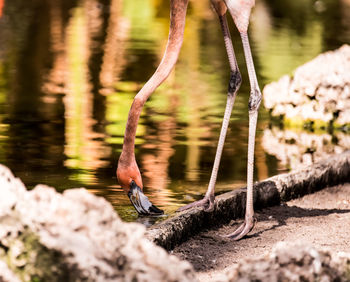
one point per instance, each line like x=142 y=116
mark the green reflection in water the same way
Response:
x=118 y=106
x=282 y=50
x=78 y=101
x=145 y=30
x=74 y=117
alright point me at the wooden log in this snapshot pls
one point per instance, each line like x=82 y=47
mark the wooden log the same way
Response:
x=231 y=205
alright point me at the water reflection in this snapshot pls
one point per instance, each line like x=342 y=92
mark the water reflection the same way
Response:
x=70 y=69
x=296 y=148
x=114 y=58
x=85 y=148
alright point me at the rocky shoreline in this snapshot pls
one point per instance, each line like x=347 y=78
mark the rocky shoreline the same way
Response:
x=78 y=236
x=74 y=236
x=317 y=93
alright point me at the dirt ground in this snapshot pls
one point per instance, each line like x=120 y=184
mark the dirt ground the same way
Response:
x=322 y=219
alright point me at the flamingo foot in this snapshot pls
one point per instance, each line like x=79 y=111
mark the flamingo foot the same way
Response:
x=207 y=203
x=243 y=229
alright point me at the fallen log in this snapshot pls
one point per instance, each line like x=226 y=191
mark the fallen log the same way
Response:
x=177 y=229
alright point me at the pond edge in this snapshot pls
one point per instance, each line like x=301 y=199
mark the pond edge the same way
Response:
x=231 y=205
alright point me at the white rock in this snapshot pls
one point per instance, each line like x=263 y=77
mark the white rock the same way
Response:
x=79 y=233
x=319 y=90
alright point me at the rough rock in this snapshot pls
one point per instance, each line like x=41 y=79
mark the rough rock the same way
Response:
x=296 y=149
x=74 y=236
x=6 y=274
x=319 y=91
x=293 y=262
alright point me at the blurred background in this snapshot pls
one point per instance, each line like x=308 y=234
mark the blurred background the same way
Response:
x=69 y=70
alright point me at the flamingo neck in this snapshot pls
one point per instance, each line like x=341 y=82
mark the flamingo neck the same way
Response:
x=178 y=10
x=130 y=131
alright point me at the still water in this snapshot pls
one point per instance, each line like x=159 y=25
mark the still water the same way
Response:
x=69 y=71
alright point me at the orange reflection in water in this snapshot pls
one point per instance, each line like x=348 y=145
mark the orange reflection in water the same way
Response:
x=114 y=48
x=156 y=165
x=1 y=7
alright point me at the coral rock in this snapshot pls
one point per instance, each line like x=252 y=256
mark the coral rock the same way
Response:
x=75 y=236
x=293 y=262
x=319 y=90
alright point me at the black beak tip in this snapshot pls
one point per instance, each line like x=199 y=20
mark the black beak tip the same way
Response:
x=155 y=211
x=141 y=203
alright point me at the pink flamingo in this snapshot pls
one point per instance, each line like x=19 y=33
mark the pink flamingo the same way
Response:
x=128 y=173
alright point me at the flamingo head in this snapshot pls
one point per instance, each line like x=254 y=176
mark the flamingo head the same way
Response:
x=129 y=178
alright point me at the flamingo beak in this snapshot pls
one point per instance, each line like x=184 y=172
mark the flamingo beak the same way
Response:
x=140 y=201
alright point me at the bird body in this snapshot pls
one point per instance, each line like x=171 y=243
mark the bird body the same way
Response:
x=240 y=11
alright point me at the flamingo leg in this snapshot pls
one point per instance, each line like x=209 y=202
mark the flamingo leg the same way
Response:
x=253 y=107
x=235 y=81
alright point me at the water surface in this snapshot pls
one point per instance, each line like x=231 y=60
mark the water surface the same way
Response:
x=69 y=71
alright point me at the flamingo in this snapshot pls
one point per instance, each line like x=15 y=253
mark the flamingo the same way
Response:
x=128 y=173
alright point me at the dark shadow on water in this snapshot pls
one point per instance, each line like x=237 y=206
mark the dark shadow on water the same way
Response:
x=148 y=221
